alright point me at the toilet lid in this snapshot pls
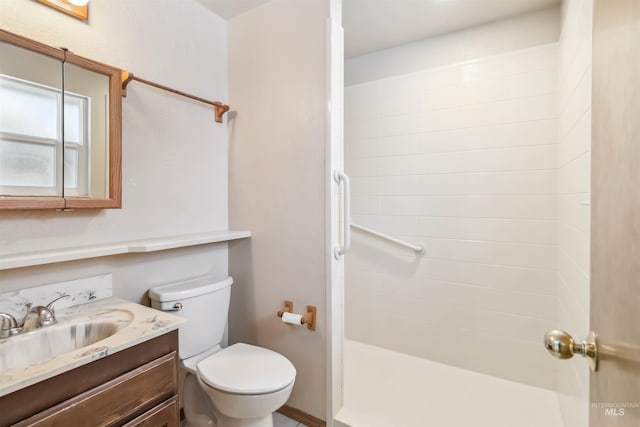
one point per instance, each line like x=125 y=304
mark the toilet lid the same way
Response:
x=247 y=369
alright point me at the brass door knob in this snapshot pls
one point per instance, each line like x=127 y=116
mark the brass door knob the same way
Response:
x=562 y=345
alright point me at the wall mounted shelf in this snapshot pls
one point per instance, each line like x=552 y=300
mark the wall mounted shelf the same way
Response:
x=137 y=246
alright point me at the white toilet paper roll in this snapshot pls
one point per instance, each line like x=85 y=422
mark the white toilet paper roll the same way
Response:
x=294 y=319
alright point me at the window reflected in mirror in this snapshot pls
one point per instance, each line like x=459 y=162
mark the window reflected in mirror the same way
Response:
x=30 y=117
x=86 y=133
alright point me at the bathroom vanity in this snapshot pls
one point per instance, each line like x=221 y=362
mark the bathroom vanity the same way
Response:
x=129 y=378
x=134 y=387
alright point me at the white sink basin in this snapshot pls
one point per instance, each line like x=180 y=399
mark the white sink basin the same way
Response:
x=66 y=336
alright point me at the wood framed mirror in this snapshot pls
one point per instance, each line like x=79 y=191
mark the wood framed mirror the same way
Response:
x=60 y=128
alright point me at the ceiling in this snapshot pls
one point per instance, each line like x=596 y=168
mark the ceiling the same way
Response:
x=371 y=25
x=227 y=9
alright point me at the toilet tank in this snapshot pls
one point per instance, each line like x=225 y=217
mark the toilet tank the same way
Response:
x=204 y=302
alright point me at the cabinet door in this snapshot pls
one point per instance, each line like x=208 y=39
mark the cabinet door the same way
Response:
x=164 y=415
x=60 y=128
x=115 y=401
x=30 y=123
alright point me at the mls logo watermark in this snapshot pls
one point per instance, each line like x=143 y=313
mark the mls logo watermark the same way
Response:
x=615 y=409
x=614 y=412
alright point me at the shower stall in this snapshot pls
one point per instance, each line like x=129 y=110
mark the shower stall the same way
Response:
x=468 y=157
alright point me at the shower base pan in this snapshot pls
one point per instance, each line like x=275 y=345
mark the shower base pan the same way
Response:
x=383 y=388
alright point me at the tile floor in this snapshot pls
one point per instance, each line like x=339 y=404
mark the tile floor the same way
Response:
x=280 y=420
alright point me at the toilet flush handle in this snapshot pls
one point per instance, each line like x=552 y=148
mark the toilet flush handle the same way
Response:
x=176 y=307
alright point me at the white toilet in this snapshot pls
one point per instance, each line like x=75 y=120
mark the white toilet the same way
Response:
x=239 y=386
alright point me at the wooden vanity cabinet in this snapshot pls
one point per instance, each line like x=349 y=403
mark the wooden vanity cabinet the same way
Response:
x=134 y=387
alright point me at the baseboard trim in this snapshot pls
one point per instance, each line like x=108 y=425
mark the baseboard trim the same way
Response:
x=301 y=417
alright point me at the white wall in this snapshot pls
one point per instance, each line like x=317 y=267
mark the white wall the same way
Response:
x=523 y=31
x=574 y=167
x=463 y=158
x=277 y=178
x=174 y=155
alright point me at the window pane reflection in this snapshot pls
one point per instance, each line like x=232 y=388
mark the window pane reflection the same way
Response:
x=28 y=109
x=27 y=165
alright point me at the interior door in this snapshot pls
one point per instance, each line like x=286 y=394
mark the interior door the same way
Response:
x=615 y=233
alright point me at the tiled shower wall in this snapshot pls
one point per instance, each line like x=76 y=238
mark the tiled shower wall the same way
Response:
x=462 y=158
x=574 y=191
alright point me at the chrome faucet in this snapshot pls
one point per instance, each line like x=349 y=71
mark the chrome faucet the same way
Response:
x=40 y=316
x=8 y=325
x=36 y=317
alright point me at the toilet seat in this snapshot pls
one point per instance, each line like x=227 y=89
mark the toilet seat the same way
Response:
x=191 y=363
x=246 y=369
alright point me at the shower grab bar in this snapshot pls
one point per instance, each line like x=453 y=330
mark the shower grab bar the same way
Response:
x=338 y=251
x=418 y=249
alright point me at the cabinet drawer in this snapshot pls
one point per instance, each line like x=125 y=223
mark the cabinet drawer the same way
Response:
x=166 y=414
x=115 y=401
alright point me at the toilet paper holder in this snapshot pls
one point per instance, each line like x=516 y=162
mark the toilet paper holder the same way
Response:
x=309 y=318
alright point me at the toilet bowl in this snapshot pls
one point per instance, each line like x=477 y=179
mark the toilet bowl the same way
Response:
x=238 y=386
x=246 y=382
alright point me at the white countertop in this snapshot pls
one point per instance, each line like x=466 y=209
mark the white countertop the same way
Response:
x=146 y=323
